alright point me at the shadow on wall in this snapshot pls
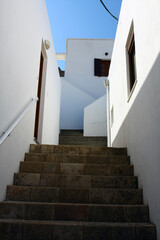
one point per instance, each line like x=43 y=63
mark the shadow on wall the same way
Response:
x=141 y=132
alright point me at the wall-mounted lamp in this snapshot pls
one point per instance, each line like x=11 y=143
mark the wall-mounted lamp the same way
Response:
x=106 y=82
x=106 y=53
x=47 y=44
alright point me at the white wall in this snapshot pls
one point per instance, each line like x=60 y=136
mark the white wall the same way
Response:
x=79 y=73
x=136 y=121
x=95 y=118
x=23 y=25
x=73 y=101
x=79 y=68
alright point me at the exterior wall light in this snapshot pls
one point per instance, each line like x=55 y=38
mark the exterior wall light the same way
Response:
x=106 y=83
x=106 y=53
x=47 y=44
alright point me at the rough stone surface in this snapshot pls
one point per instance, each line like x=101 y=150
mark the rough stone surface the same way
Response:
x=51 y=168
x=72 y=169
x=37 y=231
x=10 y=230
x=64 y=149
x=71 y=212
x=78 y=181
x=31 y=167
x=74 y=195
x=114 y=182
x=35 y=157
x=43 y=194
x=53 y=180
x=25 y=179
x=10 y=210
x=63 y=231
x=37 y=211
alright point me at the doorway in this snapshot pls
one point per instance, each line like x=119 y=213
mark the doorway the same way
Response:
x=41 y=95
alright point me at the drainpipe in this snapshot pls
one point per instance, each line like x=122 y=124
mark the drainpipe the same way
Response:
x=106 y=84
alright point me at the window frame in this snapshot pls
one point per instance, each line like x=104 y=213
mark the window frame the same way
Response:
x=131 y=62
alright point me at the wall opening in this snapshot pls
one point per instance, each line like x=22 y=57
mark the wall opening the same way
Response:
x=101 y=67
x=131 y=61
x=41 y=95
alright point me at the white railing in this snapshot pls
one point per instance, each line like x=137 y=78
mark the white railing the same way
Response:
x=10 y=129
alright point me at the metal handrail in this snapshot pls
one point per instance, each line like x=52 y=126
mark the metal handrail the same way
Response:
x=10 y=129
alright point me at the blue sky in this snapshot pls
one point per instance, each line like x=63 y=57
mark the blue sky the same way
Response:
x=81 y=19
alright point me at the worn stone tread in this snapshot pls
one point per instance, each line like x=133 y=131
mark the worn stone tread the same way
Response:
x=83 y=143
x=75 y=158
x=73 y=212
x=70 y=132
x=75 y=149
x=74 y=181
x=76 y=169
x=77 y=138
x=33 y=230
x=75 y=195
x=116 y=224
x=81 y=138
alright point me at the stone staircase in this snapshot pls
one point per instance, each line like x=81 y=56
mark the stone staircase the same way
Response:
x=75 y=193
x=75 y=137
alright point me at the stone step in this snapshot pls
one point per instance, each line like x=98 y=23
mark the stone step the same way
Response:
x=73 y=212
x=66 y=230
x=74 y=195
x=80 y=140
x=79 y=181
x=85 y=150
x=71 y=132
x=76 y=169
x=73 y=158
x=96 y=144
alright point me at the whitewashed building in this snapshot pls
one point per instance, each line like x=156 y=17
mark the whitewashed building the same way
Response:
x=134 y=95
x=27 y=66
x=83 y=85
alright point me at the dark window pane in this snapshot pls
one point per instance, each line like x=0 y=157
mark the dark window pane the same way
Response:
x=105 y=68
x=97 y=67
x=101 y=67
x=132 y=63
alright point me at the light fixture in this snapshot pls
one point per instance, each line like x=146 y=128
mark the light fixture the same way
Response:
x=106 y=82
x=106 y=53
x=47 y=44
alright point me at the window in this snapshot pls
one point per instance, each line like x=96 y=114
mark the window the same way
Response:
x=132 y=62
x=101 y=67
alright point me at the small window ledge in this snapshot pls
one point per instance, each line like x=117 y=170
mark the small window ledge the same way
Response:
x=131 y=92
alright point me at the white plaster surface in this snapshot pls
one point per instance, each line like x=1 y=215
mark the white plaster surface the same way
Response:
x=79 y=73
x=23 y=25
x=79 y=70
x=95 y=118
x=73 y=103
x=136 y=122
